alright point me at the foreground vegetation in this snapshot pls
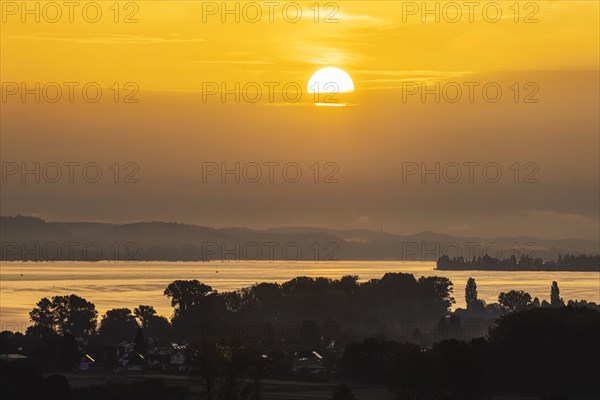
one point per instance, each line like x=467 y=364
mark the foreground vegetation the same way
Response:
x=396 y=332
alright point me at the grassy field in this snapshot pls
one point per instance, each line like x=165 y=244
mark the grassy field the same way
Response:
x=272 y=389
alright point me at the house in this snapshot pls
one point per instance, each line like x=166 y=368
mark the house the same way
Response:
x=86 y=362
x=13 y=357
x=178 y=357
x=172 y=357
x=158 y=358
x=137 y=362
x=308 y=362
x=133 y=361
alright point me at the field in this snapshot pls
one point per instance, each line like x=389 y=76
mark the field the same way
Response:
x=272 y=389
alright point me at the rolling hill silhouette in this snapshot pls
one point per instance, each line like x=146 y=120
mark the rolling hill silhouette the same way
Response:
x=33 y=239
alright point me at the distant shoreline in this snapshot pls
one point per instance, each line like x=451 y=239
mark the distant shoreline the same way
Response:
x=349 y=260
x=453 y=266
x=566 y=263
x=516 y=269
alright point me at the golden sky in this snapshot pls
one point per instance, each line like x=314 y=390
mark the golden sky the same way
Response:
x=378 y=42
x=172 y=47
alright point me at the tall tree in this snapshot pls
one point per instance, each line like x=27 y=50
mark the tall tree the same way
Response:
x=42 y=315
x=471 y=293
x=437 y=292
x=555 y=299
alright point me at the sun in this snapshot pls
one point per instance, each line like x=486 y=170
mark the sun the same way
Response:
x=330 y=80
x=327 y=84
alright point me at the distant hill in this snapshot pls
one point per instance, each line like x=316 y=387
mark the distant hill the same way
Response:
x=33 y=239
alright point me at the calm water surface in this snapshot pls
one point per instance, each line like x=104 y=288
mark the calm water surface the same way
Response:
x=128 y=284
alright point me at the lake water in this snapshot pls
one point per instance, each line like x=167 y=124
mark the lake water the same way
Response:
x=129 y=284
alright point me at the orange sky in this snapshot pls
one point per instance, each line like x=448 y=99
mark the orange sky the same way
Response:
x=171 y=48
x=550 y=50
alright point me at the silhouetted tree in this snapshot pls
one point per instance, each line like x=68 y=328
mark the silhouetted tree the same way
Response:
x=547 y=349
x=514 y=300
x=43 y=315
x=69 y=314
x=11 y=342
x=186 y=294
x=349 y=283
x=75 y=315
x=555 y=299
x=117 y=325
x=439 y=291
x=471 y=293
x=544 y=304
x=158 y=327
x=144 y=314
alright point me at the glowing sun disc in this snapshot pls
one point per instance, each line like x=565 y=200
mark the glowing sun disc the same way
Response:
x=330 y=80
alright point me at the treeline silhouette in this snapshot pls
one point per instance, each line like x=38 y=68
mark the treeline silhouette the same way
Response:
x=396 y=331
x=312 y=306
x=568 y=262
x=541 y=351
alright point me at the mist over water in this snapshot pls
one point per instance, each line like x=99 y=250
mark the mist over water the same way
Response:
x=128 y=284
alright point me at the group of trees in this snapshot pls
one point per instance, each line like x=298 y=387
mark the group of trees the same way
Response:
x=320 y=309
x=63 y=325
x=220 y=368
x=301 y=313
x=75 y=316
x=543 y=350
x=513 y=300
x=582 y=262
x=355 y=309
x=220 y=356
x=64 y=315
